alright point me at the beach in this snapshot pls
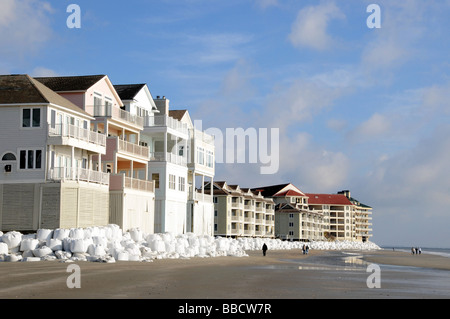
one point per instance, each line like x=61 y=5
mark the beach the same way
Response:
x=281 y=274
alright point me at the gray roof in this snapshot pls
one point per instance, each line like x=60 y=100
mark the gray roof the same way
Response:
x=23 y=89
x=70 y=83
x=128 y=91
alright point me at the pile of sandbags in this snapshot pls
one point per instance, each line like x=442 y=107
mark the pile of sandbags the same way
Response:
x=110 y=244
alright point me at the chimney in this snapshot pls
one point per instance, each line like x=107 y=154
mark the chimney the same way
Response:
x=162 y=104
x=346 y=193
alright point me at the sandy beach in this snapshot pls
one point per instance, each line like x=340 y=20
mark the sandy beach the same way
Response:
x=282 y=274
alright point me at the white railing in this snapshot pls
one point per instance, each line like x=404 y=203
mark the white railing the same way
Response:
x=132 y=148
x=69 y=130
x=120 y=181
x=78 y=174
x=203 y=197
x=167 y=121
x=170 y=157
x=115 y=113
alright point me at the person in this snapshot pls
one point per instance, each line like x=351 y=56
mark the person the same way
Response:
x=264 y=249
x=304 y=249
x=307 y=249
x=412 y=250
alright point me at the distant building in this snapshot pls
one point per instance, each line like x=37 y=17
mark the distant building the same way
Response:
x=241 y=212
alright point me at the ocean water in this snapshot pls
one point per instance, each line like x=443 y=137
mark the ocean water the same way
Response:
x=445 y=252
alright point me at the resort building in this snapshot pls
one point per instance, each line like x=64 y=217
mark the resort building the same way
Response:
x=131 y=199
x=48 y=150
x=241 y=212
x=362 y=218
x=293 y=218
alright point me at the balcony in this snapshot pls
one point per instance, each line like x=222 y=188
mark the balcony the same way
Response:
x=115 y=113
x=78 y=174
x=133 y=149
x=169 y=157
x=120 y=182
x=67 y=134
x=166 y=122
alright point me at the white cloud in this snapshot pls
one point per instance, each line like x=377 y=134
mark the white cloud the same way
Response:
x=24 y=27
x=377 y=125
x=310 y=28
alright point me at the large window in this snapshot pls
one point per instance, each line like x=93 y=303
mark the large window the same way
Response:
x=209 y=159
x=201 y=155
x=31 y=117
x=30 y=159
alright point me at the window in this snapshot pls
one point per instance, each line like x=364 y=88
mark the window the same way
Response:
x=181 y=182
x=291 y=215
x=215 y=199
x=209 y=159
x=30 y=159
x=201 y=155
x=171 y=181
x=155 y=177
x=9 y=157
x=31 y=117
x=291 y=224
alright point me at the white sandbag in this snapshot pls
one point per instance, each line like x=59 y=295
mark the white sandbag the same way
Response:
x=100 y=240
x=77 y=245
x=28 y=244
x=29 y=258
x=55 y=244
x=61 y=233
x=12 y=239
x=136 y=234
x=123 y=256
x=13 y=258
x=43 y=251
x=3 y=248
x=44 y=235
x=96 y=250
x=60 y=254
x=76 y=233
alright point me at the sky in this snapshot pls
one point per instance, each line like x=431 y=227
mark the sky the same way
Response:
x=357 y=108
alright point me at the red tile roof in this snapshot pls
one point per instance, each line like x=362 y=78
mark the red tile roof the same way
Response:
x=328 y=199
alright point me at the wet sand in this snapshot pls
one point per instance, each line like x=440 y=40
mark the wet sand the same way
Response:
x=284 y=274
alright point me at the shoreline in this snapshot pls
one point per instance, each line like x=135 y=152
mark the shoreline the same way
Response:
x=279 y=275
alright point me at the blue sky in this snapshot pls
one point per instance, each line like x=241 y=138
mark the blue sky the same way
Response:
x=357 y=108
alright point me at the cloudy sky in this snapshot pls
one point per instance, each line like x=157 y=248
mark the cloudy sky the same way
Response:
x=359 y=108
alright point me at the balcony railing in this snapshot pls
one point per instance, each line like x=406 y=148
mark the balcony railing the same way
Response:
x=166 y=121
x=133 y=149
x=78 y=174
x=120 y=182
x=115 y=112
x=170 y=157
x=72 y=131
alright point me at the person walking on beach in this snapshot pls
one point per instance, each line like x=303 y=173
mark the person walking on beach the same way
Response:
x=264 y=249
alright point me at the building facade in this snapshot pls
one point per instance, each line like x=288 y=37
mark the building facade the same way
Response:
x=47 y=150
x=131 y=194
x=241 y=212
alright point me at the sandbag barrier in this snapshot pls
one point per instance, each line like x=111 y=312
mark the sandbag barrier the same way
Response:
x=110 y=244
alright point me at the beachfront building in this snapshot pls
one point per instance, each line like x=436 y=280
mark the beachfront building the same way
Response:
x=293 y=218
x=241 y=212
x=131 y=194
x=181 y=161
x=362 y=218
x=48 y=176
x=338 y=214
